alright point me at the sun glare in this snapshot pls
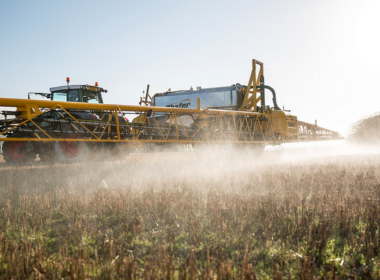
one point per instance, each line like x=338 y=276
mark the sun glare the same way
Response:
x=367 y=40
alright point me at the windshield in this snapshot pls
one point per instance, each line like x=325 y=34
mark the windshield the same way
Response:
x=71 y=95
x=90 y=97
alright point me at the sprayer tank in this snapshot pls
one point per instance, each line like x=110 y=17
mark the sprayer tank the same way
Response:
x=219 y=98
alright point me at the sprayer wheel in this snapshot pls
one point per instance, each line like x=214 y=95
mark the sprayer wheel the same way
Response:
x=71 y=151
x=18 y=151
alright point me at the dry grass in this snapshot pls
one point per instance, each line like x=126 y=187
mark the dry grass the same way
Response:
x=309 y=220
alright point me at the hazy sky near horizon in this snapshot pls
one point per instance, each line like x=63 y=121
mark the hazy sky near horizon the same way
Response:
x=322 y=57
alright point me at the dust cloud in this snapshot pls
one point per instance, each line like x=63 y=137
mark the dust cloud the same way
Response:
x=229 y=169
x=224 y=166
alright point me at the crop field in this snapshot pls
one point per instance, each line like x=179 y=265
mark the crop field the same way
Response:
x=270 y=218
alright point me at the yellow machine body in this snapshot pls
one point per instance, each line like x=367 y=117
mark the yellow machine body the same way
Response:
x=42 y=121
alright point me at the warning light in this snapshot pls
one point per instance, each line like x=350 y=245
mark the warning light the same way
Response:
x=96 y=84
x=67 y=79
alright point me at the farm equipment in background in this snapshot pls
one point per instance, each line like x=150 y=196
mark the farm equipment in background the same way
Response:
x=75 y=124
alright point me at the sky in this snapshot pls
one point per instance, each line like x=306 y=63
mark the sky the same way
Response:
x=322 y=57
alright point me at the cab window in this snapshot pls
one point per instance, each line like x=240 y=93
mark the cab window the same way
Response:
x=90 y=97
x=71 y=95
x=59 y=96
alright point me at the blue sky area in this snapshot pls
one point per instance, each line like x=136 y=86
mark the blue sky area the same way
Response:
x=321 y=57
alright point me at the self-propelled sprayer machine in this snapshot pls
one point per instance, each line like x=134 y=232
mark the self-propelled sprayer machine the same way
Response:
x=74 y=124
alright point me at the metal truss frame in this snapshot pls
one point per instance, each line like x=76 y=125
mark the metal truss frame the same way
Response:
x=312 y=132
x=164 y=125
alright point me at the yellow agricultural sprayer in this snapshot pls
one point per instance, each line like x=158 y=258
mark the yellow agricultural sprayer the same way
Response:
x=74 y=124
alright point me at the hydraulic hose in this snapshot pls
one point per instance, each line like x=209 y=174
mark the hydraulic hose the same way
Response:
x=262 y=89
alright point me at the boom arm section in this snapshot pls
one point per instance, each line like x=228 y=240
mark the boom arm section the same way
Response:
x=46 y=121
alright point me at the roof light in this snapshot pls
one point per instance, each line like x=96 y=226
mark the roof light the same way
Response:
x=96 y=84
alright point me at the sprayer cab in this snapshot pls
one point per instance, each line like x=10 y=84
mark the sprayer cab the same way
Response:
x=77 y=93
x=74 y=93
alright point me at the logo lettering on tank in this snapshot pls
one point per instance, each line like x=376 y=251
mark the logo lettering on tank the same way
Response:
x=180 y=104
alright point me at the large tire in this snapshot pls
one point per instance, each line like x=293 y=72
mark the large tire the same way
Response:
x=70 y=151
x=18 y=151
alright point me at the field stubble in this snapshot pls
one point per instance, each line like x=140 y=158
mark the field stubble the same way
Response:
x=269 y=218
